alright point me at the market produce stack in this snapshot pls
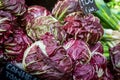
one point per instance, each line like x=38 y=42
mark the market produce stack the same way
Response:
x=61 y=44
x=66 y=44
x=13 y=39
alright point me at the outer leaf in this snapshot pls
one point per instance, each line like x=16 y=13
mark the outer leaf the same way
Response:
x=83 y=72
x=78 y=51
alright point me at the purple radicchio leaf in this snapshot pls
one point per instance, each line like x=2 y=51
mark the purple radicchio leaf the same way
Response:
x=78 y=51
x=96 y=47
x=83 y=72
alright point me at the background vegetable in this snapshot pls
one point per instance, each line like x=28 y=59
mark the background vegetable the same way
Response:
x=106 y=15
x=16 y=7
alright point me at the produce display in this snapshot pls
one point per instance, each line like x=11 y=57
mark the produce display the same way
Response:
x=61 y=42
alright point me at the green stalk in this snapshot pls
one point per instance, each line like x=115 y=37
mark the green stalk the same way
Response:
x=118 y=16
x=106 y=49
x=105 y=18
x=111 y=35
x=62 y=15
x=105 y=14
x=106 y=26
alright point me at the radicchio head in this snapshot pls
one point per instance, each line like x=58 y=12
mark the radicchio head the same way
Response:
x=42 y=25
x=87 y=28
x=16 y=44
x=32 y=13
x=83 y=72
x=99 y=62
x=115 y=59
x=37 y=62
x=65 y=7
x=6 y=25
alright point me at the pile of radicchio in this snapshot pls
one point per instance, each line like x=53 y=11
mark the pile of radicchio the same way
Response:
x=76 y=55
x=13 y=39
x=9 y=12
x=61 y=44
